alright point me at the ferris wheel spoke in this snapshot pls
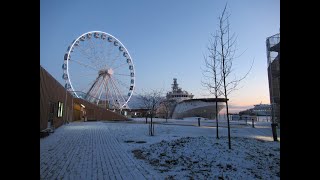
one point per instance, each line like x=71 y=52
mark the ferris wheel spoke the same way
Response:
x=107 y=93
x=94 y=88
x=96 y=57
x=105 y=60
x=105 y=87
x=114 y=92
x=112 y=51
x=99 y=97
x=89 y=84
x=108 y=55
x=86 y=75
x=117 y=57
x=100 y=56
x=89 y=51
x=122 y=74
x=122 y=83
x=98 y=89
x=85 y=52
x=91 y=46
x=109 y=96
x=119 y=92
x=84 y=64
x=119 y=66
x=103 y=52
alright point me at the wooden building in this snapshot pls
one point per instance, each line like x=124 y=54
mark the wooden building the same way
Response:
x=57 y=106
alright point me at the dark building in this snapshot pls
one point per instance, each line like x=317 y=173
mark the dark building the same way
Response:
x=273 y=56
x=58 y=106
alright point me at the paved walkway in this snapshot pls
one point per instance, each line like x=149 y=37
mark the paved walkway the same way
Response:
x=96 y=150
x=84 y=150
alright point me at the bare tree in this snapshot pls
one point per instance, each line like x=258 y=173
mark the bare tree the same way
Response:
x=212 y=74
x=226 y=49
x=165 y=108
x=151 y=101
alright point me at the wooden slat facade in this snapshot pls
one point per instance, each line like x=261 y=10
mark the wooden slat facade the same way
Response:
x=94 y=112
x=52 y=92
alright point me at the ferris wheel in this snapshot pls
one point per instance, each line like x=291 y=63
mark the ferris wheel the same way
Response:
x=98 y=68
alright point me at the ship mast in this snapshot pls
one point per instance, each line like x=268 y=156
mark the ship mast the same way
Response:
x=175 y=85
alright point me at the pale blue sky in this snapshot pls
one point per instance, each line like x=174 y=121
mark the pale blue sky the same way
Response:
x=166 y=38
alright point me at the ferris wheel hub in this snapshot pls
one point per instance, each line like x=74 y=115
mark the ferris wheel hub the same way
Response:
x=108 y=72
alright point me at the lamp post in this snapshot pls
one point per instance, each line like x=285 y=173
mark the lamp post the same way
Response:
x=252 y=118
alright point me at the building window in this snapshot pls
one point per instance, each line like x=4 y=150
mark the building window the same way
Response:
x=60 y=109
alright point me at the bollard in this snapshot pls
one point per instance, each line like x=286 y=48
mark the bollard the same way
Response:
x=252 y=122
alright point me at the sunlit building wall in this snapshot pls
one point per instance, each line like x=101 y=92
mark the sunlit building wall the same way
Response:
x=273 y=56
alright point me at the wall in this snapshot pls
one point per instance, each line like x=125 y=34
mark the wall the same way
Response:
x=274 y=88
x=52 y=91
x=94 y=112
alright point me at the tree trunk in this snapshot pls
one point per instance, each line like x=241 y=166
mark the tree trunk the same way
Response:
x=152 y=129
x=151 y=123
x=217 y=134
x=229 y=139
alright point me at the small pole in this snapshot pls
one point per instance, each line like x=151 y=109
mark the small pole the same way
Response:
x=152 y=129
x=252 y=122
x=198 y=121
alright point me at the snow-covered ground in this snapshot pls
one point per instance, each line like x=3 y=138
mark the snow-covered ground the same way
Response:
x=180 y=149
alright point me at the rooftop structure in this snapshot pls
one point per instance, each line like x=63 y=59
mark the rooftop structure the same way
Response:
x=177 y=93
x=273 y=60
